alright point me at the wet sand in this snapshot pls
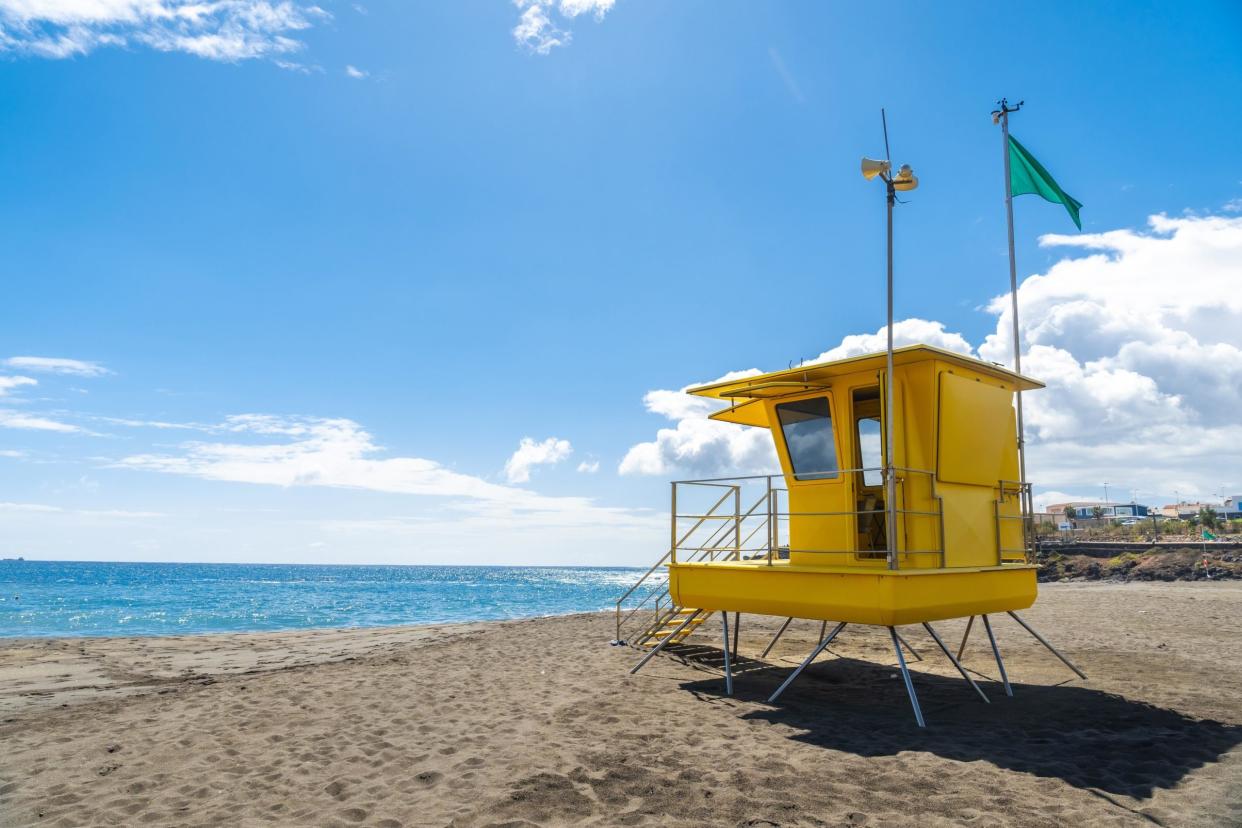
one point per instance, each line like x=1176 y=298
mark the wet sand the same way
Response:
x=538 y=723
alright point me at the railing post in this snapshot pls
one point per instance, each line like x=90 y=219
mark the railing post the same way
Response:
x=1000 y=556
x=940 y=502
x=896 y=518
x=673 y=521
x=771 y=523
x=737 y=522
x=1028 y=522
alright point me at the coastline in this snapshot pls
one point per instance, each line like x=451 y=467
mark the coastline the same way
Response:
x=107 y=599
x=537 y=722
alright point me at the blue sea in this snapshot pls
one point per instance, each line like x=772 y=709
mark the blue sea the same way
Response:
x=55 y=598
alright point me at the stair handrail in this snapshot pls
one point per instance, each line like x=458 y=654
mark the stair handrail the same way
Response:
x=701 y=552
x=669 y=553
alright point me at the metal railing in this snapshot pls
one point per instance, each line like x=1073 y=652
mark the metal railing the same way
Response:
x=720 y=529
x=744 y=537
x=1006 y=491
x=712 y=548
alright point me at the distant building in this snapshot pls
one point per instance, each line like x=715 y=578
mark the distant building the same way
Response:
x=1231 y=509
x=1085 y=509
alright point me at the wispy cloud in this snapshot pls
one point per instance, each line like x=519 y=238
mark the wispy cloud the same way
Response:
x=224 y=30
x=356 y=73
x=29 y=422
x=7 y=384
x=538 y=33
x=57 y=365
x=158 y=424
x=791 y=83
x=588 y=467
x=45 y=509
x=530 y=454
x=310 y=451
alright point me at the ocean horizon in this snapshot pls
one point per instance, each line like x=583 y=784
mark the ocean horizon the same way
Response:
x=85 y=598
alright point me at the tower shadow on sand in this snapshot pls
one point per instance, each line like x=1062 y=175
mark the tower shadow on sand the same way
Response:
x=1083 y=736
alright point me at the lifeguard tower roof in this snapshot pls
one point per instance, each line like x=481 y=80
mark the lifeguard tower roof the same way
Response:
x=745 y=391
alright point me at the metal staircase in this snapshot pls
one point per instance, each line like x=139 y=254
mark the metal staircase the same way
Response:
x=729 y=530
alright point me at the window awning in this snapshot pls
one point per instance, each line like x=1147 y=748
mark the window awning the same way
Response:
x=820 y=375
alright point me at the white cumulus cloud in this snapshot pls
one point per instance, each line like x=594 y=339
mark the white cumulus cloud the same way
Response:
x=536 y=30
x=1139 y=342
x=530 y=454
x=695 y=445
x=356 y=73
x=225 y=30
x=905 y=332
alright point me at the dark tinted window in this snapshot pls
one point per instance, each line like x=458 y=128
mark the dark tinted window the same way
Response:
x=807 y=427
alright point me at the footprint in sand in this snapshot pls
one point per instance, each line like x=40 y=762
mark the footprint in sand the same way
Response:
x=429 y=778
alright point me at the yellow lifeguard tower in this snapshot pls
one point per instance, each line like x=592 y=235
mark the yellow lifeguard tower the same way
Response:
x=858 y=529
x=902 y=499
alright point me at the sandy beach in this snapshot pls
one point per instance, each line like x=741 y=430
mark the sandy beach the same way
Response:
x=537 y=722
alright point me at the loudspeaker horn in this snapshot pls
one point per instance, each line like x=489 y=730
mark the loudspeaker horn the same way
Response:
x=871 y=168
x=905 y=179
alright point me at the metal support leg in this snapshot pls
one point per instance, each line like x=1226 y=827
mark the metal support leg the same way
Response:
x=1054 y=650
x=724 y=622
x=667 y=639
x=777 y=637
x=956 y=663
x=906 y=644
x=965 y=637
x=823 y=645
x=737 y=632
x=905 y=674
x=823 y=628
x=1000 y=665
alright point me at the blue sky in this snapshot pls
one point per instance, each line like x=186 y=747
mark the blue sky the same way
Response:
x=263 y=224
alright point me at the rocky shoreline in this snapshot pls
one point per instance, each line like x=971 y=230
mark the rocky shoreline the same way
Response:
x=1186 y=564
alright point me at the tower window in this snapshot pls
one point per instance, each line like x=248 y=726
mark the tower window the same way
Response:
x=807 y=428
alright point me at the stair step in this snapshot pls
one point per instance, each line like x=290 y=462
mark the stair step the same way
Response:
x=670 y=628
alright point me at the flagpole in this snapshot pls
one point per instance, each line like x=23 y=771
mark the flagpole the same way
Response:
x=1004 y=111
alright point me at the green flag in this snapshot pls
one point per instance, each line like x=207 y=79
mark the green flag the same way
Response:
x=1026 y=175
